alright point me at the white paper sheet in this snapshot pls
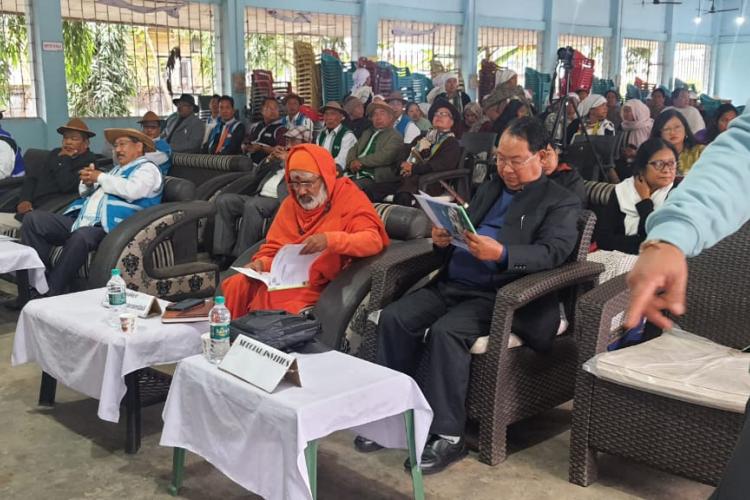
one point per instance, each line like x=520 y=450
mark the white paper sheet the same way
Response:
x=289 y=269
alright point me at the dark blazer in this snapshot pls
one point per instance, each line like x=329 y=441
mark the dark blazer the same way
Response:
x=57 y=175
x=610 y=227
x=539 y=233
x=572 y=181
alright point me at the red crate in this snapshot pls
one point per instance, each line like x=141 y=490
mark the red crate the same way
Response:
x=582 y=74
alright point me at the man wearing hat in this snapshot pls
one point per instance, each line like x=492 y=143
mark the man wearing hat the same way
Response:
x=106 y=200
x=57 y=175
x=259 y=202
x=373 y=162
x=357 y=121
x=323 y=212
x=403 y=124
x=162 y=157
x=11 y=159
x=228 y=133
x=294 y=117
x=184 y=131
x=336 y=137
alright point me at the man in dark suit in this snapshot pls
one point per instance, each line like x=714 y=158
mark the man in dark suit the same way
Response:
x=525 y=224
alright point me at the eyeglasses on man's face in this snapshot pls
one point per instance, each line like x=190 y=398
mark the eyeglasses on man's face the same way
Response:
x=297 y=185
x=514 y=163
x=663 y=165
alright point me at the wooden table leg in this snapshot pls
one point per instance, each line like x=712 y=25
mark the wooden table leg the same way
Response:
x=311 y=457
x=178 y=470
x=47 y=390
x=132 y=413
x=416 y=471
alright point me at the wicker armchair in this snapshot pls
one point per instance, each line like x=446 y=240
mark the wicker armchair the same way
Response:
x=507 y=384
x=664 y=433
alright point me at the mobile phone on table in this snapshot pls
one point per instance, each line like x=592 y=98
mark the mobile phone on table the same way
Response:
x=185 y=305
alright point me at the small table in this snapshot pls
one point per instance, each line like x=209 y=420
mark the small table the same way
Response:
x=25 y=262
x=69 y=338
x=267 y=443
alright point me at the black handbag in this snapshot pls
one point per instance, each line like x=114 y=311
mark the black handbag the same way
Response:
x=278 y=329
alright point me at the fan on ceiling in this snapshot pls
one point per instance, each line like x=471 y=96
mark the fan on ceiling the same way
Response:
x=713 y=9
x=661 y=2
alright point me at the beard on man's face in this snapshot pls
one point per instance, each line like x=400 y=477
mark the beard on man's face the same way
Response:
x=311 y=202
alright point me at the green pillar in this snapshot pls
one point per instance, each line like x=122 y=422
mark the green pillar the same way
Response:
x=232 y=38
x=469 y=48
x=49 y=69
x=369 y=19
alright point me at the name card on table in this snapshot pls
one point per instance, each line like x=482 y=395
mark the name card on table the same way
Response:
x=138 y=303
x=261 y=365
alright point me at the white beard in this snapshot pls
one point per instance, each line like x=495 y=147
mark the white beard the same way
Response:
x=315 y=201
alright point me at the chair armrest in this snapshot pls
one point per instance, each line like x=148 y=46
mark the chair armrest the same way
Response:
x=9 y=199
x=162 y=220
x=529 y=288
x=11 y=183
x=595 y=311
x=209 y=189
x=433 y=177
x=399 y=267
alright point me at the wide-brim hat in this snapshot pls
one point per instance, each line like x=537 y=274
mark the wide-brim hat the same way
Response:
x=336 y=107
x=395 y=96
x=443 y=103
x=188 y=98
x=76 y=125
x=112 y=134
x=380 y=105
x=150 y=116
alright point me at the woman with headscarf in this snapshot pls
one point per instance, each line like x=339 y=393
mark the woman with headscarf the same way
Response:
x=636 y=128
x=324 y=213
x=724 y=115
x=451 y=93
x=474 y=118
x=362 y=88
x=506 y=77
x=438 y=151
x=593 y=111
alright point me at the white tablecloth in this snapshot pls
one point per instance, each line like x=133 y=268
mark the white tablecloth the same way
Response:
x=69 y=338
x=258 y=439
x=15 y=257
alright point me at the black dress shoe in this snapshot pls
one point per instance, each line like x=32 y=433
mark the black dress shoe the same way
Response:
x=364 y=445
x=439 y=454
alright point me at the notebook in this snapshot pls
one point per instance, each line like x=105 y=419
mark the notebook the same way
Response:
x=193 y=315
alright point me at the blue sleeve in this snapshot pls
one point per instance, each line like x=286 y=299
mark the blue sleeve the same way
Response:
x=712 y=202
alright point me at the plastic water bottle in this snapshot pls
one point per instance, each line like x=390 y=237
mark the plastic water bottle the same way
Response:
x=218 y=321
x=116 y=297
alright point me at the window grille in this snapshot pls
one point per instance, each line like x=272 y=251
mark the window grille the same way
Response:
x=593 y=47
x=418 y=45
x=17 y=85
x=691 y=64
x=641 y=59
x=270 y=35
x=127 y=61
x=510 y=48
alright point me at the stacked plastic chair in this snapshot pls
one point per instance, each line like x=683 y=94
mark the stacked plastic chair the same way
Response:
x=421 y=86
x=261 y=86
x=540 y=86
x=487 y=72
x=332 y=77
x=307 y=84
x=384 y=79
x=710 y=105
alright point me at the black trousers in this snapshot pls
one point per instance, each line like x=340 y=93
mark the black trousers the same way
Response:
x=44 y=230
x=456 y=317
x=735 y=483
x=376 y=191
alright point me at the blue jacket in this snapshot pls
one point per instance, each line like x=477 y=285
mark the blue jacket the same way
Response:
x=164 y=147
x=712 y=202
x=114 y=209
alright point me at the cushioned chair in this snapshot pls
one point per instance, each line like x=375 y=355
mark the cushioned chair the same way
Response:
x=459 y=179
x=155 y=249
x=685 y=438
x=408 y=229
x=209 y=172
x=509 y=382
x=478 y=148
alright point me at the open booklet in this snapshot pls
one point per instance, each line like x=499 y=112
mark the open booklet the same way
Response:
x=289 y=269
x=450 y=216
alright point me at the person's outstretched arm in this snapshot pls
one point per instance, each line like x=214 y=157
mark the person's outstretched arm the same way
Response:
x=709 y=205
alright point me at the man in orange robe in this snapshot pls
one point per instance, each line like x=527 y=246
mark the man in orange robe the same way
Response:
x=328 y=215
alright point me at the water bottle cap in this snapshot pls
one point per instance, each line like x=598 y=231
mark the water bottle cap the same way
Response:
x=219 y=301
x=115 y=272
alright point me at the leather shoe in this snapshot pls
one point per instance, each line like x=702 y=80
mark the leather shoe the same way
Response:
x=364 y=445
x=439 y=454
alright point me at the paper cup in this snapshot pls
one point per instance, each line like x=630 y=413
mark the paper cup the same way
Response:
x=206 y=344
x=127 y=323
